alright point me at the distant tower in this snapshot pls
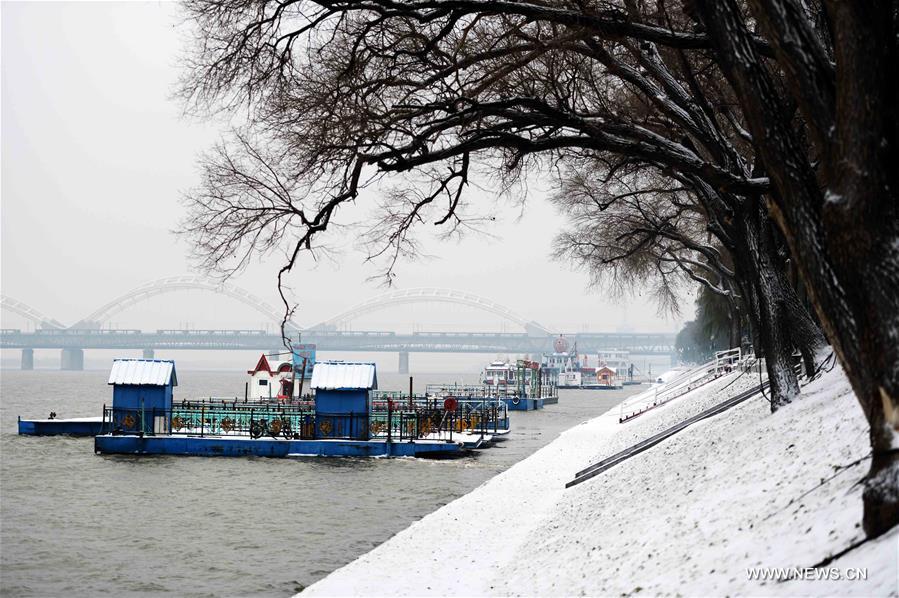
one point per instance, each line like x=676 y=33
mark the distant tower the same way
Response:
x=560 y=345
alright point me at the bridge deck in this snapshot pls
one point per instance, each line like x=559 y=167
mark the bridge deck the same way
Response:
x=435 y=342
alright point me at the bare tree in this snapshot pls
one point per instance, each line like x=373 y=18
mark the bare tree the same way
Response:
x=797 y=121
x=631 y=236
x=630 y=232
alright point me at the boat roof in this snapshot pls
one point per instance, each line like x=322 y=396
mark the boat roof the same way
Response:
x=143 y=372
x=261 y=366
x=344 y=375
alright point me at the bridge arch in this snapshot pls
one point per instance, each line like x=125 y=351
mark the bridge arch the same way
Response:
x=432 y=295
x=28 y=312
x=175 y=284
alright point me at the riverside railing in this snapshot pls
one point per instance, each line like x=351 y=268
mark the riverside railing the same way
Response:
x=691 y=379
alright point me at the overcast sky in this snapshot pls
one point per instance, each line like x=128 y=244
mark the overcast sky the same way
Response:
x=95 y=156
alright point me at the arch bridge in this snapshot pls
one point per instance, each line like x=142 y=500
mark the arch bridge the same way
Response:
x=431 y=295
x=89 y=333
x=104 y=314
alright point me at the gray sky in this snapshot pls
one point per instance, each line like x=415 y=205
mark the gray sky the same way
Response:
x=95 y=155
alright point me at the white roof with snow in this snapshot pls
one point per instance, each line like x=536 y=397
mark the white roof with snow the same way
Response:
x=143 y=372
x=332 y=375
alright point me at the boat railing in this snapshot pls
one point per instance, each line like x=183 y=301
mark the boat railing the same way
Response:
x=298 y=422
x=244 y=403
x=492 y=391
x=457 y=390
x=253 y=420
x=466 y=416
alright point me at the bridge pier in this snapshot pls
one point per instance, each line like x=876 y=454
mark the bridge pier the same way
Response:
x=149 y=354
x=72 y=359
x=404 y=362
x=27 y=359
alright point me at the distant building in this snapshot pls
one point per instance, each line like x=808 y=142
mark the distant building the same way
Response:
x=268 y=383
x=606 y=376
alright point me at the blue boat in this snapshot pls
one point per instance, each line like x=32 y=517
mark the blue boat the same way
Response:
x=143 y=420
x=53 y=426
x=524 y=403
x=235 y=446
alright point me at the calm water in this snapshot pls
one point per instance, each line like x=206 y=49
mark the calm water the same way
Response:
x=76 y=523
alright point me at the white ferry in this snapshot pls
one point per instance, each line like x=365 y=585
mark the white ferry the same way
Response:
x=524 y=385
x=571 y=370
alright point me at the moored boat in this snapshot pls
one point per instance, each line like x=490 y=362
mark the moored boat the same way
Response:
x=143 y=419
x=523 y=386
x=573 y=371
x=54 y=426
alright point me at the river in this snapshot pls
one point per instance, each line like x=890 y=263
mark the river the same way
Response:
x=76 y=523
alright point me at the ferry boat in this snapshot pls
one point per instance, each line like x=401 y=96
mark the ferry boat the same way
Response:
x=620 y=362
x=523 y=386
x=289 y=408
x=573 y=371
x=144 y=420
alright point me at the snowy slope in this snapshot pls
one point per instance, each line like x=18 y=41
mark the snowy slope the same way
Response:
x=688 y=516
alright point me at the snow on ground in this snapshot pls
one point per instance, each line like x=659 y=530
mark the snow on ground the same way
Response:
x=690 y=516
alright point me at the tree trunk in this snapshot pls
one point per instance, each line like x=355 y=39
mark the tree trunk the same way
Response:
x=804 y=333
x=861 y=224
x=736 y=320
x=806 y=337
x=845 y=241
x=757 y=261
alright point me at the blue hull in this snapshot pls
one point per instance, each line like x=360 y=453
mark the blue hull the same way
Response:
x=524 y=404
x=60 y=427
x=267 y=447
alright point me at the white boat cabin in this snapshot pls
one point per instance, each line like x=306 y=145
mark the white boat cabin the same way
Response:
x=503 y=373
x=618 y=361
x=499 y=373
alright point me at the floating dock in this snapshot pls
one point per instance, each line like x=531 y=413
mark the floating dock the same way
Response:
x=524 y=403
x=592 y=387
x=224 y=446
x=347 y=417
x=143 y=419
x=77 y=426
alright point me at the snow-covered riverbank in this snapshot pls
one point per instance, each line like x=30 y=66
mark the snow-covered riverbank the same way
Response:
x=692 y=515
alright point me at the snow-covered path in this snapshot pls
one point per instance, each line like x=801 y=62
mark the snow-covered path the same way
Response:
x=688 y=516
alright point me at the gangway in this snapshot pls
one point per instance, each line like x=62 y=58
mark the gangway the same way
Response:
x=747 y=364
x=723 y=363
x=609 y=462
